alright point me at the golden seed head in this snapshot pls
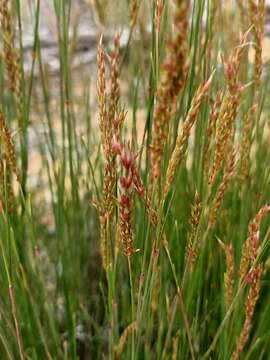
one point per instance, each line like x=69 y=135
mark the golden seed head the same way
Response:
x=250 y=246
x=192 y=242
x=183 y=135
x=228 y=174
x=173 y=76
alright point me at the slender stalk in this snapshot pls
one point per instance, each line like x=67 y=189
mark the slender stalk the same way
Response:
x=132 y=308
x=17 y=327
x=182 y=305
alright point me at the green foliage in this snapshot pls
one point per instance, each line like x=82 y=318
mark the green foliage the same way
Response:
x=56 y=300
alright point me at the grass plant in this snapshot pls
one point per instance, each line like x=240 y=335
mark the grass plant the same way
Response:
x=134 y=191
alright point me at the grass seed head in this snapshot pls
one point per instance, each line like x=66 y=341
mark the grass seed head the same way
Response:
x=9 y=148
x=115 y=90
x=252 y=297
x=173 y=76
x=245 y=144
x=183 y=135
x=228 y=174
x=211 y=130
x=230 y=272
x=158 y=13
x=192 y=248
x=225 y=128
x=250 y=246
x=257 y=15
x=134 y=10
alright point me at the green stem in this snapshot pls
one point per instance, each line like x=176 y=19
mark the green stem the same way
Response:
x=182 y=305
x=132 y=309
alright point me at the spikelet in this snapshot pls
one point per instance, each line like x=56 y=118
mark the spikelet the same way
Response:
x=8 y=52
x=115 y=90
x=245 y=144
x=257 y=12
x=7 y=166
x=11 y=59
x=105 y=207
x=156 y=291
x=134 y=9
x=7 y=197
x=228 y=174
x=173 y=75
x=175 y=346
x=192 y=248
x=101 y=90
x=9 y=147
x=130 y=182
x=211 y=131
x=230 y=272
x=116 y=116
x=109 y=124
x=123 y=340
x=139 y=188
x=183 y=135
x=251 y=274
x=227 y=116
x=126 y=200
x=253 y=295
x=158 y=13
x=249 y=249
